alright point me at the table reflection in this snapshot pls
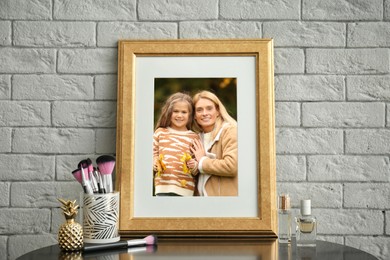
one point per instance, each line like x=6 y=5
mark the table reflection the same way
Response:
x=205 y=250
x=211 y=250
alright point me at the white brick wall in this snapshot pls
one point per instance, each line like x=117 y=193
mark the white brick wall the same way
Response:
x=58 y=64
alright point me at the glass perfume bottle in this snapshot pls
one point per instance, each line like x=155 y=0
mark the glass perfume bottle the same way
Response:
x=284 y=214
x=306 y=226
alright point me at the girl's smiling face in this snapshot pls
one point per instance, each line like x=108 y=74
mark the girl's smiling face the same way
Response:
x=206 y=114
x=180 y=116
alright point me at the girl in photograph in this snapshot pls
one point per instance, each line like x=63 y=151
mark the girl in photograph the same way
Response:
x=216 y=153
x=174 y=168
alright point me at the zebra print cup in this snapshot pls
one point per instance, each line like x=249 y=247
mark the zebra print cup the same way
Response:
x=101 y=218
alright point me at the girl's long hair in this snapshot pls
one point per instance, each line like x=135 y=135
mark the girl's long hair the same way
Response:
x=166 y=111
x=224 y=115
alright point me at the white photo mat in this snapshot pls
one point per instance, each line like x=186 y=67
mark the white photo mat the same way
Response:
x=243 y=68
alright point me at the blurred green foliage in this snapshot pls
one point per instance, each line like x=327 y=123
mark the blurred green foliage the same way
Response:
x=224 y=88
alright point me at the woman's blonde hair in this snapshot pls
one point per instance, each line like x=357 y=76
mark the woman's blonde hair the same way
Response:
x=224 y=115
x=166 y=111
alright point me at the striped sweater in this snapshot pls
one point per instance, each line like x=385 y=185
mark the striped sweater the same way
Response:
x=172 y=149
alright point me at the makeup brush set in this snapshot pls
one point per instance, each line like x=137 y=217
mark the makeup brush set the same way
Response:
x=101 y=208
x=95 y=180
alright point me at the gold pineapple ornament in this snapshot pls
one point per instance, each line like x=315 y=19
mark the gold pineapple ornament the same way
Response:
x=70 y=234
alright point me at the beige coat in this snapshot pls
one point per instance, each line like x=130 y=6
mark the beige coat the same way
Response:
x=223 y=180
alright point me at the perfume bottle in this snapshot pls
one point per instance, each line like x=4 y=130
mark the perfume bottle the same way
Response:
x=284 y=214
x=306 y=226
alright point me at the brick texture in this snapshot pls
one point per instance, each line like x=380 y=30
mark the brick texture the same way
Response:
x=58 y=92
x=193 y=30
x=305 y=34
x=15 y=60
x=263 y=9
x=94 y=10
x=348 y=61
x=177 y=10
x=54 y=34
x=52 y=87
x=342 y=10
x=5 y=33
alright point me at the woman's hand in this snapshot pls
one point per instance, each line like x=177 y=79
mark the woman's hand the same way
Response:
x=198 y=150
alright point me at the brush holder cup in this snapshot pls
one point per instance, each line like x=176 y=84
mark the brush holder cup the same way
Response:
x=101 y=218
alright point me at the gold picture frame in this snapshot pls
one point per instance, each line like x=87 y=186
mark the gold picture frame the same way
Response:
x=134 y=152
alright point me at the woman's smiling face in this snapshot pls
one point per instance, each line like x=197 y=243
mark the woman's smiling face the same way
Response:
x=206 y=114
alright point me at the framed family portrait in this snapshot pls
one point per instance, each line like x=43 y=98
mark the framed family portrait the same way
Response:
x=195 y=141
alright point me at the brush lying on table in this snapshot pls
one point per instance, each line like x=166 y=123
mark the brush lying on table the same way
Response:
x=148 y=241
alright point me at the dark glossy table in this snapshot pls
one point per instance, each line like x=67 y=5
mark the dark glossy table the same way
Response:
x=212 y=250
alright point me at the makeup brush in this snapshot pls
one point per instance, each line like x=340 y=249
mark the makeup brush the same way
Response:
x=84 y=177
x=83 y=163
x=148 y=241
x=106 y=164
x=77 y=175
x=85 y=182
x=99 y=180
x=81 y=178
x=91 y=176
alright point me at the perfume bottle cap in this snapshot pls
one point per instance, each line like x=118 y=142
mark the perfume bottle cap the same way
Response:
x=306 y=207
x=284 y=202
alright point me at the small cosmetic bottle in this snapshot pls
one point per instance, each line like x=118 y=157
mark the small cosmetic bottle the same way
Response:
x=284 y=214
x=306 y=226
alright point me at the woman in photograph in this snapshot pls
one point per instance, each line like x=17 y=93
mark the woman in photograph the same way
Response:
x=173 y=166
x=216 y=152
